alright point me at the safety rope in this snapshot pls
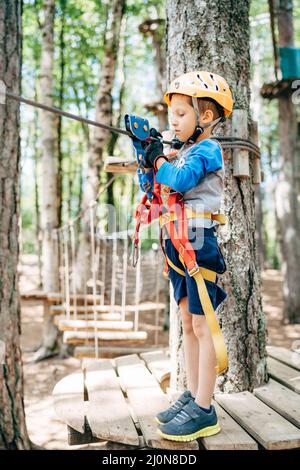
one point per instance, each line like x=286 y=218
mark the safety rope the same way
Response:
x=73 y=264
x=67 y=278
x=92 y=235
x=124 y=284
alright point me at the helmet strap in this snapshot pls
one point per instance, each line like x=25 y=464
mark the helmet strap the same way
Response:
x=200 y=129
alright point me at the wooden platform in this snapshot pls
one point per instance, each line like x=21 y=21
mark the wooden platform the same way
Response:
x=135 y=385
x=120 y=165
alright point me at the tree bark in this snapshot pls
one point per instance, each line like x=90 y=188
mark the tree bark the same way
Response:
x=286 y=197
x=59 y=118
x=13 y=433
x=156 y=29
x=100 y=136
x=119 y=114
x=49 y=206
x=199 y=36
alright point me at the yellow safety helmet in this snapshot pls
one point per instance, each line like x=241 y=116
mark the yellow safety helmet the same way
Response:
x=201 y=84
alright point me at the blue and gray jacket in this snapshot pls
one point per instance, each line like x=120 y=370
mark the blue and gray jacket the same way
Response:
x=197 y=172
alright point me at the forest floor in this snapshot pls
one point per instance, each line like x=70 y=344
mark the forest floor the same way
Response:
x=44 y=428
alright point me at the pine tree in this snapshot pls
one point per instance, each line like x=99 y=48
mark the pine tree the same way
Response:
x=13 y=433
x=214 y=36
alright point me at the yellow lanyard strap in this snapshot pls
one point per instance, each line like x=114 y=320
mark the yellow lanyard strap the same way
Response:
x=217 y=336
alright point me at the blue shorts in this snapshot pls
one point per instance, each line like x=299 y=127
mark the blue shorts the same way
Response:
x=208 y=255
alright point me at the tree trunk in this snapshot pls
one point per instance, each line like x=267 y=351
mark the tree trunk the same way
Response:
x=49 y=204
x=59 y=118
x=13 y=433
x=155 y=27
x=200 y=37
x=119 y=114
x=100 y=136
x=36 y=197
x=286 y=189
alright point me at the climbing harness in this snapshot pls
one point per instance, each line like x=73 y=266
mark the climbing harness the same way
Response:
x=148 y=211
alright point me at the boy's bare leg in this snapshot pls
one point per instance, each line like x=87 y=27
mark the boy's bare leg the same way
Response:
x=191 y=347
x=207 y=362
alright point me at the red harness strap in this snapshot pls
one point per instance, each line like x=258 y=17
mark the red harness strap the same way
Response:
x=180 y=238
x=148 y=211
x=145 y=213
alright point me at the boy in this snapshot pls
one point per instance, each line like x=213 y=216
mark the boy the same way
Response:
x=198 y=101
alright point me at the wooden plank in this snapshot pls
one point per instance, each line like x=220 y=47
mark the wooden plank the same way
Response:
x=159 y=365
x=286 y=356
x=145 y=307
x=81 y=308
x=89 y=325
x=58 y=296
x=232 y=435
x=107 y=412
x=33 y=295
x=146 y=399
x=76 y=438
x=240 y=158
x=68 y=398
x=120 y=165
x=89 y=351
x=77 y=337
x=90 y=316
x=281 y=399
x=266 y=426
x=284 y=374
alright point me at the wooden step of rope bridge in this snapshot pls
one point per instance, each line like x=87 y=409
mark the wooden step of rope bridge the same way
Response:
x=142 y=307
x=50 y=299
x=121 y=337
x=90 y=325
x=109 y=350
x=115 y=400
x=59 y=319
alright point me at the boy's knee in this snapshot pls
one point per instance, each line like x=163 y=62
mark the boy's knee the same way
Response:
x=186 y=317
x=200 y=327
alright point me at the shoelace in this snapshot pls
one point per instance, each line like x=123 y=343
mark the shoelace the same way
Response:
x=176 y=405
x=181 y=416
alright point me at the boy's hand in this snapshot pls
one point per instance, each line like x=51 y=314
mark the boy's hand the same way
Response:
x=153 y=149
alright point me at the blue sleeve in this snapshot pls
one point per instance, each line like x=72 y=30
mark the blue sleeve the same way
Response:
x=204 y=158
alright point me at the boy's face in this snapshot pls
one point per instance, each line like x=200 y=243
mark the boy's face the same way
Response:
x=183 y=117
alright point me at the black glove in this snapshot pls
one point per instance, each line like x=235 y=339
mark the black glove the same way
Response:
x=153 y=149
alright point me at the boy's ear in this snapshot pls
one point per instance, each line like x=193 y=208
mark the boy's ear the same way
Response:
x=207 y=116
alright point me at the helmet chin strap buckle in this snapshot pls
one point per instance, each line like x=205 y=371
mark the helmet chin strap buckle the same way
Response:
x=197 y=132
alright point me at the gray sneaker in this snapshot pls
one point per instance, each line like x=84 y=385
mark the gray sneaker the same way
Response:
x=165 y=416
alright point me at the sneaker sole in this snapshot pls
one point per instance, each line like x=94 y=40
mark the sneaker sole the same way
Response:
x=157 y=420
x=206 y=432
